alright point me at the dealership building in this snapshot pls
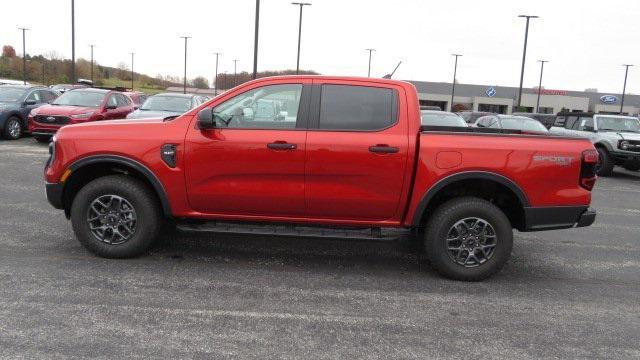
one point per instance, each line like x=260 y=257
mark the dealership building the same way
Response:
x=503 y=99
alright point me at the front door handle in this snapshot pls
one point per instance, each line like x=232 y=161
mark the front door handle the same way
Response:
x=383 y=149
x=282 y=146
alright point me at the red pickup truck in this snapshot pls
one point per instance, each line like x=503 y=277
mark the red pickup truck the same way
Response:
x=321 y=157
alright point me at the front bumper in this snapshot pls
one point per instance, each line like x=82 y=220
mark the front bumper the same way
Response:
x=626 y=156
x=54 y=194
x=557 y=217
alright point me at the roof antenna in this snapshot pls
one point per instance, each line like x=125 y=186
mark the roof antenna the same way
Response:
x=388 y=76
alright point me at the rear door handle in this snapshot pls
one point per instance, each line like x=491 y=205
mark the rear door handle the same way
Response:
x=282 y=146
x=383 y=149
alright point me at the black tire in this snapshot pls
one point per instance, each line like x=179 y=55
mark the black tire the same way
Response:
x=42 y=138
x=146 y=209
x=632 y=166
x=605 y=163
x=455 y=211
x=12 y=128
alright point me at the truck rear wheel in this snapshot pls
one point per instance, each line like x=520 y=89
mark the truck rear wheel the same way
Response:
x=605 y=164
x=116 y=217
x=468 y=239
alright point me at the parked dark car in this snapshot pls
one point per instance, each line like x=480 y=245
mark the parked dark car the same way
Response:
x=511 y=122
x=472 y=116
x=16 y=102
x=166 y=104
x=441 y=118
x=546 y=119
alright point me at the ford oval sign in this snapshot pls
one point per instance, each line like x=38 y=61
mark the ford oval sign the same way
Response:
x=609 y=99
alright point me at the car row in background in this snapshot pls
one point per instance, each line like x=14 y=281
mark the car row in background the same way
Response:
x=511 y=122
x=166 y=105
x=441 y=118
x=16 y=102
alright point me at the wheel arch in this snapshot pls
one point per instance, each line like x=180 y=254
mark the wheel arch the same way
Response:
x=487 y=185
x=87 y=169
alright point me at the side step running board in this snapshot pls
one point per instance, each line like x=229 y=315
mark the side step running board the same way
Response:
x=296 y=230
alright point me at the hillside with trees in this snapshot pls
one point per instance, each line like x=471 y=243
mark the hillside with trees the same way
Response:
x=52 y=68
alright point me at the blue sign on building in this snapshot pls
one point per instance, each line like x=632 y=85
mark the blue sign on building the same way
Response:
x=609 y=99
x=491 y=92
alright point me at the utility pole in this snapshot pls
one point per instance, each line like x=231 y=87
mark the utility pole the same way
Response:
x=184 y=88
x=370 y=51
x=92 y=63
x=540 y=84
x=73 y=42
x=524 y=54
x=215 y=79
x=299 y=32
x=235 y=74
x=453 y=84
x=255 y=41
x=132 y=54
x=24 y=56
x=624 y=87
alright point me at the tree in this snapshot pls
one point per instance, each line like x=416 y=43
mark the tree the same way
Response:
x=8 y=51
x=201 y=83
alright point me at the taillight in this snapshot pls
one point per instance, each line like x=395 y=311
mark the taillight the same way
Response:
x=588 y=169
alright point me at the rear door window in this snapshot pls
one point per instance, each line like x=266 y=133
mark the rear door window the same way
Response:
x=357 y=108
x=570 y=121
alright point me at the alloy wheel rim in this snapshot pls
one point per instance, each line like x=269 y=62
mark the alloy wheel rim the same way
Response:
x=471 y=242
x=112 y=219
x=14 y=129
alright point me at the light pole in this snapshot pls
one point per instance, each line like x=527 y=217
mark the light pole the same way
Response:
x=184 y=88
x=299 y=32
x=624 y=87
x=540 y=84
x=524 y=54
x=91 y=46
x=24 y=56
x=370 y=51
x=255 y=41
x=235 y=74
x=453 y=84
x=73 y=42
x=215 y=79
x=132 y=54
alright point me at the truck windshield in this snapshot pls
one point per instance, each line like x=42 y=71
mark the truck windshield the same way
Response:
x=167 y=103
x=10 y=94
x=618 y=123
x=80 y=98
x=442 y=119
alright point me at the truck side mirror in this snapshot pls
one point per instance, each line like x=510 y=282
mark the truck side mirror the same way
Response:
x=205 y=119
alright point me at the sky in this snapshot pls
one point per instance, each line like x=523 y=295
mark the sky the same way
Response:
x=585 y=41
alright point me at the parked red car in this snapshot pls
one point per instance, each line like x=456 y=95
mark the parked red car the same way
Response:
x=78 y=106
x=319 y=157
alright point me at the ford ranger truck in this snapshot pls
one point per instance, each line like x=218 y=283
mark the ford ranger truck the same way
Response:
x=323 y=157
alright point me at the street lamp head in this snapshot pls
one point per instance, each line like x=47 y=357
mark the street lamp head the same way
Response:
x=301 y=3
x=529 y=16
x=456 y=55
x=627 y=65
x=543 y=61
x=369 y=49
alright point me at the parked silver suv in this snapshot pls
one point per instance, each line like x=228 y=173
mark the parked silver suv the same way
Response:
x=616 y=137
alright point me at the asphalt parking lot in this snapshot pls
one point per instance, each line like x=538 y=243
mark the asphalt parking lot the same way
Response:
x=564 y=294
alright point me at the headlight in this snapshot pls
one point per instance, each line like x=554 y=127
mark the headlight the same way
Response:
x=52 y=151
x=82 y=116
x=624 y=145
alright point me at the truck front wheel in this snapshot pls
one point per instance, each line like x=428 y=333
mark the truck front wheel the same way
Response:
x=605 y=164
x=116 y=217
x=468 y=239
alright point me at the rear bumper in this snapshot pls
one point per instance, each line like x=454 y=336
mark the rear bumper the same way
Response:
x=557 y=217
x=54 y=194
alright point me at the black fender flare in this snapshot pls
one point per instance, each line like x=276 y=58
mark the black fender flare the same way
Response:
x=10 y=114
x=141 y=168
x=603 y=144
x=467 y=175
